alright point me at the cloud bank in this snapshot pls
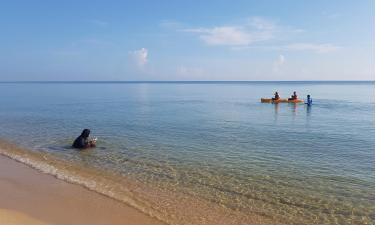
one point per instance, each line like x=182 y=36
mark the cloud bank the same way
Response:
x=257 y=32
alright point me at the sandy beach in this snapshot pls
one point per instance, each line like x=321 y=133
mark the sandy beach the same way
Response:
x=33 y=198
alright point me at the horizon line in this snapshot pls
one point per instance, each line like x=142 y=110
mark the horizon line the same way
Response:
x=186 y=81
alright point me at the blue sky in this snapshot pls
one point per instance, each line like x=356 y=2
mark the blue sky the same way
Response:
x=187 y=40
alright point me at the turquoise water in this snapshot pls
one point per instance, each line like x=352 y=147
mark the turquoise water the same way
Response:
x=214 y=141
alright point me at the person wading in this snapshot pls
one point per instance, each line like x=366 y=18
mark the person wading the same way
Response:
x=83 y=141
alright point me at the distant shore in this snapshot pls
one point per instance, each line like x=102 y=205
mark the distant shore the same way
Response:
x=31 y=197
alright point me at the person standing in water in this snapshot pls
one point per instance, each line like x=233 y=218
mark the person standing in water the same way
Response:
x=82 y=141
x=309 y=100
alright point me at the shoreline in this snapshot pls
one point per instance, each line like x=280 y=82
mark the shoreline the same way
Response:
x=44 y=177
x=39 y=198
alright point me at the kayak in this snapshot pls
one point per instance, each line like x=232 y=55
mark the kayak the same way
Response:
x=270 y=100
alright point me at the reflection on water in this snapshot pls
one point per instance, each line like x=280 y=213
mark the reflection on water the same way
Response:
x=308 y=110
x=214 y=145
x=276 y=107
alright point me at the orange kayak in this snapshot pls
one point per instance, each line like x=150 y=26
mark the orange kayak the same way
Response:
x=269 y=100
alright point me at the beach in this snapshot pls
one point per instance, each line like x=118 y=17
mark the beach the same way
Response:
x=34 y=198
x=187 y=112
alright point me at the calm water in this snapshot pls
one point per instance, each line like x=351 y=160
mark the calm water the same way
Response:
x=213 y=143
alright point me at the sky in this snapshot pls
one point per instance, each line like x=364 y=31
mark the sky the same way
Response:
x=187 y=40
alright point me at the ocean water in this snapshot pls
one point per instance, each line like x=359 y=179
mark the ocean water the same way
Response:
x=205 y=152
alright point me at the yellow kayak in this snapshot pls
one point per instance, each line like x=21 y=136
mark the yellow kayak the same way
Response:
x=270 y=100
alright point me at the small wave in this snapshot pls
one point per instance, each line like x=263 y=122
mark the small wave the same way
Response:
x=170 y=207
x=71 y=173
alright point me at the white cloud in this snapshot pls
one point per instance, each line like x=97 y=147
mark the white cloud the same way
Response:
x=254 y=33
x=279 y=62
x=224 y=35
x=318 y=48
x=255 y=30
x=139 y=57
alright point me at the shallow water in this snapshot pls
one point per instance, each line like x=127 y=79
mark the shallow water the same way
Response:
x=211 y=144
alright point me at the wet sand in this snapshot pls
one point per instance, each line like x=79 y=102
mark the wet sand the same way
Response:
x=31 y=197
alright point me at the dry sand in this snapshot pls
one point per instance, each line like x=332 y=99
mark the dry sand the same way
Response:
x=10 y=217
x=30 y=197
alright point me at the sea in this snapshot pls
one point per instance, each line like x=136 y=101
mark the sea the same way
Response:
x=204 y=152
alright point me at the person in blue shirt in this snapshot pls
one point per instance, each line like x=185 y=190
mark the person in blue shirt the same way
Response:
x=82 y=141
x=309 y=100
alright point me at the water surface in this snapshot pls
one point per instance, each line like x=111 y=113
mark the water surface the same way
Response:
x=214 y=142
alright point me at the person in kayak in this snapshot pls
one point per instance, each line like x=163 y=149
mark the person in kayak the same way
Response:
x=277 y=96
x=309 y=100
x=294 y=96
x=82 y=141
